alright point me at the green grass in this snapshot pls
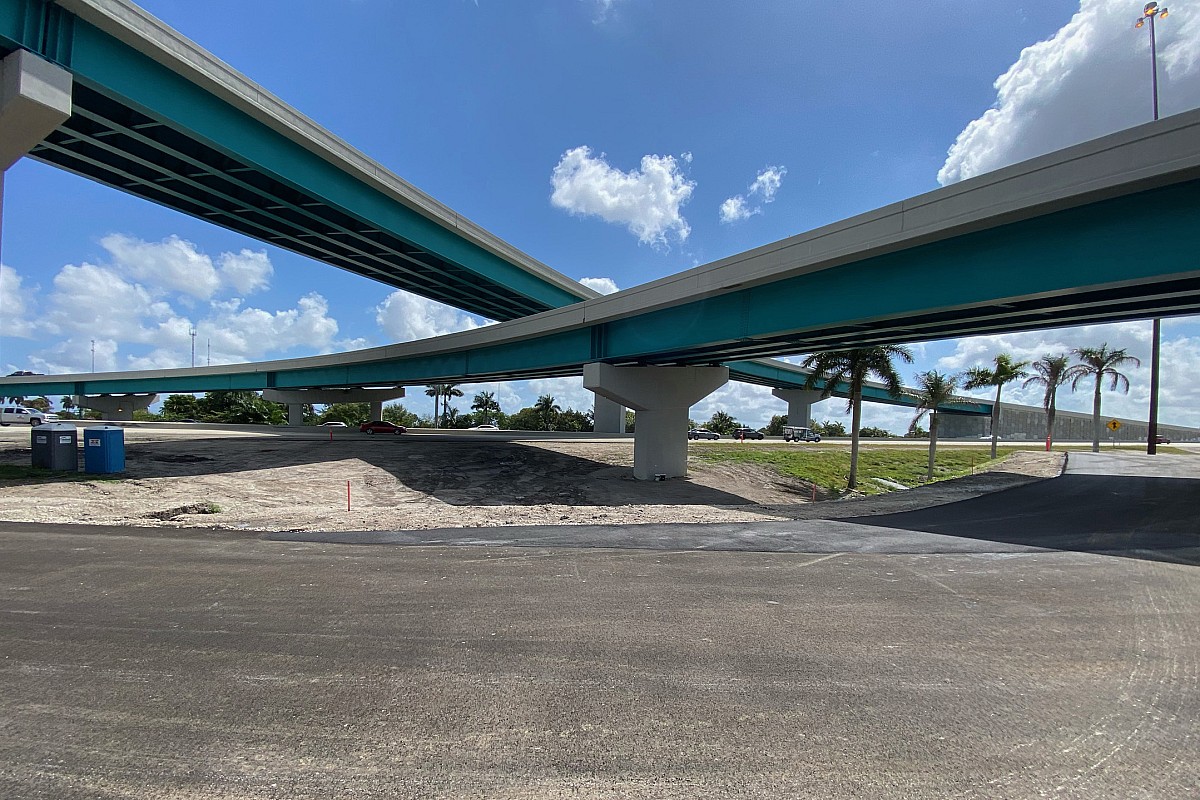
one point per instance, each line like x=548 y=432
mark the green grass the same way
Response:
x=827 y=466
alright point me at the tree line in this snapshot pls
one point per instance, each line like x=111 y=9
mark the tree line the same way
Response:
x=933 y=389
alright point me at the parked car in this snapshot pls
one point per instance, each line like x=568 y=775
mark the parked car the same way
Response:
x=796 y=434
x=379 y=426
x=748 y=433
x=703 y=433
x=333 y=423
x=1160 y=439
x=21 y=415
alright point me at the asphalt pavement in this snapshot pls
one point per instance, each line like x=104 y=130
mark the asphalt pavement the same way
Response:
x=1042 y=641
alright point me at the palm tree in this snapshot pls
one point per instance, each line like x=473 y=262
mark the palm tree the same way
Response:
x=434 y=390
x=852 y=367
x=449 y=390
x=547 y=409
x=1099 y=362
x=1005 y=371
x=933 y=389
x=1051 y=373
x=486 y=405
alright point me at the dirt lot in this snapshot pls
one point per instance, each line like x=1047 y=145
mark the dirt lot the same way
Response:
x=299 y=482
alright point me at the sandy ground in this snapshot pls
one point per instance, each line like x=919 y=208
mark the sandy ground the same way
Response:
x=291 y=483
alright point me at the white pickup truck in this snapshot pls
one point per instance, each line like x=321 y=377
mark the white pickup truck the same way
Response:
x=21 y=415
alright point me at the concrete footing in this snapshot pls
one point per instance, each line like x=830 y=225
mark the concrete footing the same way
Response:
x=661 y=396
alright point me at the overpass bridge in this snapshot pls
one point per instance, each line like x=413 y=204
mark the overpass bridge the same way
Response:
x=1100 y=232
x=1056 y=240
x=149 y=112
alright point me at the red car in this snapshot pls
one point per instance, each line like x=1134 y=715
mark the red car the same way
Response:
x=379 y=426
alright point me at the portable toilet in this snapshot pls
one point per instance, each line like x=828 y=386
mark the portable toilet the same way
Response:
x=54 y=446
x=104 y=449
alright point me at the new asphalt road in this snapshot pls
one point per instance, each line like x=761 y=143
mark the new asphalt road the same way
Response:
x=1041 y=641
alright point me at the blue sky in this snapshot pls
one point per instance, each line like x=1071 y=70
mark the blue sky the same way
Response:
x=615 y=140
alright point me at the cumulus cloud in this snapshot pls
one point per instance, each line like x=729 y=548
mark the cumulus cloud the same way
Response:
x=1089 y=79
x=75 y=355
x=13 y=309
x=762 y=190
x=734 y=209
x=129 y=304
x=1179 y=396
x=173 y=264
x=601 y=285
x=406 y=317
x=603 y=10
x=250 y=333
x=647 y=200
x=246 y=271
x=96 y=301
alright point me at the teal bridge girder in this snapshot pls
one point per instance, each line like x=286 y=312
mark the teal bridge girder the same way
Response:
x=1101 y=232
x=177 y=127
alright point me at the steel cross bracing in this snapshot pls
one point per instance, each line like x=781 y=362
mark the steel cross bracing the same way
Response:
x=130 y=151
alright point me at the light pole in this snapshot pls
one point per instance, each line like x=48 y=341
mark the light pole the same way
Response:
x=1150 y=13
x=192 y=333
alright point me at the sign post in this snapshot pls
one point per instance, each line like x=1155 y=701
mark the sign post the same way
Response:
x=1114 y=425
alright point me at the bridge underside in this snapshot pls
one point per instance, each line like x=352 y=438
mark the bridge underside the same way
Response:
x=197 y=137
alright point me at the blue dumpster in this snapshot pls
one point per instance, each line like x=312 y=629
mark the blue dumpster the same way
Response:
x=104 y=449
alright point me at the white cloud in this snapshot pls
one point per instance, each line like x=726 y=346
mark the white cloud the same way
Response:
x=1179 y=394
x=246 y=271
x=646 y=200
x=604 y=10
x=13 y=309
x=601 y=285
x=734 y=209
x=764 y=187
x=250 y=333
x=129 y=303
x=406 y=317
x=767 y=183
x=75 y=355
x=172 y=264
x=92 y=301
x=1089 y=79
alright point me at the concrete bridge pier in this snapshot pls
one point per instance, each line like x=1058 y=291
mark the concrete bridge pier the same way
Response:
x=296 y=399
x=116 y=407
x=608 y=416
x=35 y=98
x=661 y=396
x=800 y=403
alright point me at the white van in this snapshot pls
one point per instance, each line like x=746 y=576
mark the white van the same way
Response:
x=21 y=415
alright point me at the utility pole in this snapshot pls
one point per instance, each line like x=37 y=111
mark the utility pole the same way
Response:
x=1149 y=14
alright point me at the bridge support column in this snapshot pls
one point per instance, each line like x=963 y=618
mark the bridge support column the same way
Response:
x=800 y=403
x=117 y=407
x=35 y=98
x=661 y=396
x=608 y=416
x=297 y=398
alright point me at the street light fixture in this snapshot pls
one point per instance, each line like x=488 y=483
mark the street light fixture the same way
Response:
x=1149 y=14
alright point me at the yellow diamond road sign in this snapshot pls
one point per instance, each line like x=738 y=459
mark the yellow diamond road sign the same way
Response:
x=1114 y=424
